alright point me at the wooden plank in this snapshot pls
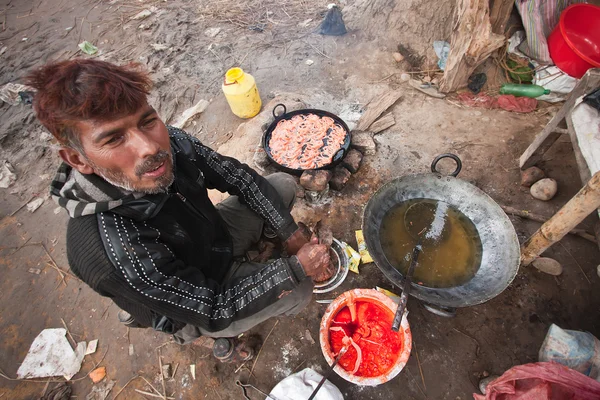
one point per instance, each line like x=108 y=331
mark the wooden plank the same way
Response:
x=542 y=142
x=499 y=15
x=382 y=123
x=586 y=201
x=376 y=107
x=472 y=42
x=584 y=170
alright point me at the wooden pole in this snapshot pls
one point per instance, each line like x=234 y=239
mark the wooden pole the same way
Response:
x=586 y=201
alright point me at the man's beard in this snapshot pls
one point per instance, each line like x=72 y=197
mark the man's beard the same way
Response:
x=120 y=180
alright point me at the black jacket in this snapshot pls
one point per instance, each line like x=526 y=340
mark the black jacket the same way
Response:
x=162 y=258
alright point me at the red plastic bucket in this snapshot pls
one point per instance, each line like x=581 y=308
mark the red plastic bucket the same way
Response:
x=574 y=43
x=381 y=300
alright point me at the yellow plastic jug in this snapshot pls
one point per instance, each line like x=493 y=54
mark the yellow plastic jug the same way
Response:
x=241 y=93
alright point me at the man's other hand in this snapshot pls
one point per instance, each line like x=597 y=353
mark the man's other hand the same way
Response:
x=295 y=242
x=313 y=257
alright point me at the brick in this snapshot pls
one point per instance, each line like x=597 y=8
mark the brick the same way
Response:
x=341 y=176
x=315 y=180
x=363 y=142
x=352 y=160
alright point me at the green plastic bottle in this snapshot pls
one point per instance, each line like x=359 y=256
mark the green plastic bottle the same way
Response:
x=532 y=91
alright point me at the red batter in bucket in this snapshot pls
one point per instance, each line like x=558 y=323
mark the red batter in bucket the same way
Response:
x=366 y=330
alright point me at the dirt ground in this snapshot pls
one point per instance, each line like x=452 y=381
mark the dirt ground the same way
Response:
x=273 y=43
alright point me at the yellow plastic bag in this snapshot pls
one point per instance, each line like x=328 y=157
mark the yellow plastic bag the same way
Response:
x=362 y=248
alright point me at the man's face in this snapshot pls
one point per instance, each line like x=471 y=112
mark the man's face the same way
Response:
x=132 y=152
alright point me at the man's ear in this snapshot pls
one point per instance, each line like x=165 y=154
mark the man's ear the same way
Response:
x=75 y=160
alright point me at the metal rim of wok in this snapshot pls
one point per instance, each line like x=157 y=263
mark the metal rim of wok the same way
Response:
x=341 y=274
x=337 y=158
x=501 y=253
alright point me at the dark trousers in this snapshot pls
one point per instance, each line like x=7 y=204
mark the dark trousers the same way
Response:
x=246 y=229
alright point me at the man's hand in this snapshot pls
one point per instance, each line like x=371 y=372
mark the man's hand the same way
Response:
x=295 y=242
x=314 y=258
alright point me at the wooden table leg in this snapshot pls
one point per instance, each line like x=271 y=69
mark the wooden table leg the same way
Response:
x=586 y=201
x=545 y=139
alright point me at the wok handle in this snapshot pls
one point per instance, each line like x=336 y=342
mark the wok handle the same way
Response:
x=275 y=109
x=447 y=155
x=340 y=154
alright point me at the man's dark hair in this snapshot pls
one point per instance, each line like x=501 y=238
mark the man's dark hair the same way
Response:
x=80 y=90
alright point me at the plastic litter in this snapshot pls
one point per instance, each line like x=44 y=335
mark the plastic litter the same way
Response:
x=26 y=97
x=11 y=93
x=191 y=112
x=538 y=381
x=593 y=99
x=100 y=391
x=301 y=385
x=476 y=82
x=51 y=354
x=98 y=374
x=88 y=48
x=144 y=13
x=7 y=175
x=442 y=49
x=333 y=23
x=33 y=205
x=579 y=351
x=524 y=90
x=506 y=102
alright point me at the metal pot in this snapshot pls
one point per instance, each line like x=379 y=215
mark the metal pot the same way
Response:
x=337 y=158
x=500 y=256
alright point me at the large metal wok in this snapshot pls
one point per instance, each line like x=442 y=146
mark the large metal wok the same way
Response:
x=500 y=257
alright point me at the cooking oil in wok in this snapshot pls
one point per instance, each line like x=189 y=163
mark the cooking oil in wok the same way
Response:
x=446 y=260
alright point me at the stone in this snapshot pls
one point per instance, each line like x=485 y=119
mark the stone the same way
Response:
x=341 y=176
x=300 y=192
x=363 y=142
x=398 y=57
x=427 y=79
x=352 y=160
x=405 y=77
x=309 y=62
x=531 y=175
x=315 y=180
x=544 y=189
x=548 y=266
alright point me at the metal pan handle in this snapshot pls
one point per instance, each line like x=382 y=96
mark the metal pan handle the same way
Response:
x=447 y=155
x=340 y=154
x=275 y=109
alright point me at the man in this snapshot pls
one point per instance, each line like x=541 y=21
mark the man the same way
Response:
x=142 y=229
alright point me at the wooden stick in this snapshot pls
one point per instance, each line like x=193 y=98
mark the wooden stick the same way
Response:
x=419 y=363
x=261 y=347
x=23 y=205
x=576 y=262
x=69 y=333
x=539 y=218
x=149 y=384
x=153 y=395
x=586 y=201
x=123 y=388
x=162 y=376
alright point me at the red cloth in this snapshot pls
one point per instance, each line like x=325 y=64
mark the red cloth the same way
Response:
x=509 y=102
x=506 y=102
x=541 y=381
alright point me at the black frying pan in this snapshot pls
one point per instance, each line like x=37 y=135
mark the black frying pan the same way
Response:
x=337 y=158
